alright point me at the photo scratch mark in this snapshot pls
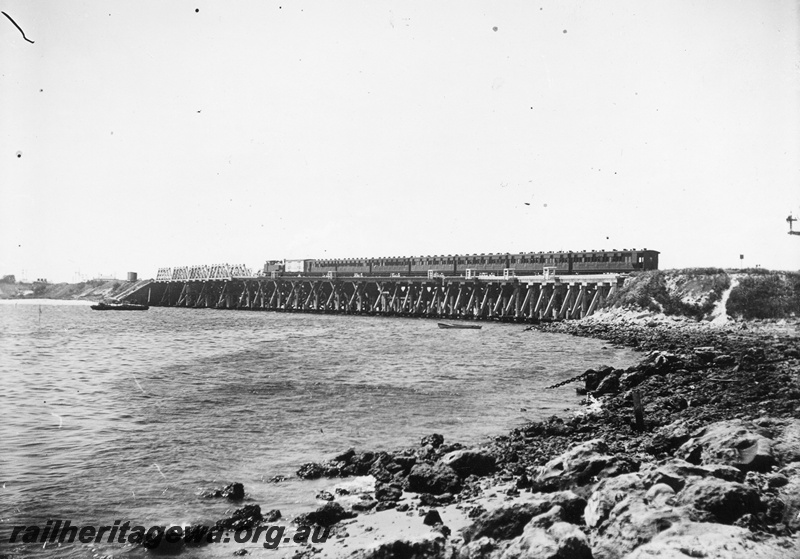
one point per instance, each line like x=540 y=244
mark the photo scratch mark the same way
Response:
x=159 y=470
x=60 y=419
x=139 y=385
x=17 y=26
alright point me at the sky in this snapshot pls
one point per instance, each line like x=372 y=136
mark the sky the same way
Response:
x=139 y=135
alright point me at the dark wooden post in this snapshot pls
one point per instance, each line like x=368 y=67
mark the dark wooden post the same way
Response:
x=638 y=410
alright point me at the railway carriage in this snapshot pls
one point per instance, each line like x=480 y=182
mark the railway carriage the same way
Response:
x=394 y=265
x=500 y=264
x=422 y=266
x=352 y=266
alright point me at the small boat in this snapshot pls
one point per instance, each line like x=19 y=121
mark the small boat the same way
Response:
x=463 y=326
x=101 y=306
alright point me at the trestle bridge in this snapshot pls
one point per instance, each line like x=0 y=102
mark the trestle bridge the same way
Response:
x=507 y=298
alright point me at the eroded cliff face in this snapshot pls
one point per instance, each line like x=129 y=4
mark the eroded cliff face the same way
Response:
x=707 y=293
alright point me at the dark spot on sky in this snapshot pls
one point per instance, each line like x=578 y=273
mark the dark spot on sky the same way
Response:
x=494 y=28
x=527 y=203
x=197 y=10
x=19 y=154
x=565 y=30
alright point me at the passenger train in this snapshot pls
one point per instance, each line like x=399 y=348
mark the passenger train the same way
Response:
x=503 y=264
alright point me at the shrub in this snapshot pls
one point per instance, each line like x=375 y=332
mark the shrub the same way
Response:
x=765 y=296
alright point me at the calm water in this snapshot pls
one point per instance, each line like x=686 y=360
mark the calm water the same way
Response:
x=107 y=415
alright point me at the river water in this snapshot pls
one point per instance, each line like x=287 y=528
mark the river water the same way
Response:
x=130 y=415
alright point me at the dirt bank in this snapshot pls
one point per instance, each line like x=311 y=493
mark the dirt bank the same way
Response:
x=706 y=293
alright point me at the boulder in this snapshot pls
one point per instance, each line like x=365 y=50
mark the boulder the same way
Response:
x=787 y=444
x=592 y=379
x=576 y=466
x=364 y=505
x=659 y=495
x=243 y=518
x=689 y=539
x=675 y=472
x=790 y=495
x=607 y=494
x=406 y=462
x=428 y=500
x=724 y=360
x=436 y=479
x=724 y=501
x=609 y=385
x=234 y=492
x=345 y=456
x=470 y=462
x=272 y=515
x=325 y=496
x=560 y=540
x=504 y=523
x=629 y=524
x=631 y=379
x=326 y=515
x=735 y=442
x=435 y=440
x=432 y=517
x=388 y=491
x=428 y=548
x=508 y=522
x=310 y=470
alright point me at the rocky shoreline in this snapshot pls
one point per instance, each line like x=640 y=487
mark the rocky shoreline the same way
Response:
x=713 y=472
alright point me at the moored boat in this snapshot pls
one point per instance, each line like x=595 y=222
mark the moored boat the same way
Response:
x=101 y=306
x=462 y=326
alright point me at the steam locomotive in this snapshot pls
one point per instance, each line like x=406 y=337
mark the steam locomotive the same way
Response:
x=520 y=264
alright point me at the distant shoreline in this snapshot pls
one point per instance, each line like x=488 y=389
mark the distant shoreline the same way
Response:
x=91 y=290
